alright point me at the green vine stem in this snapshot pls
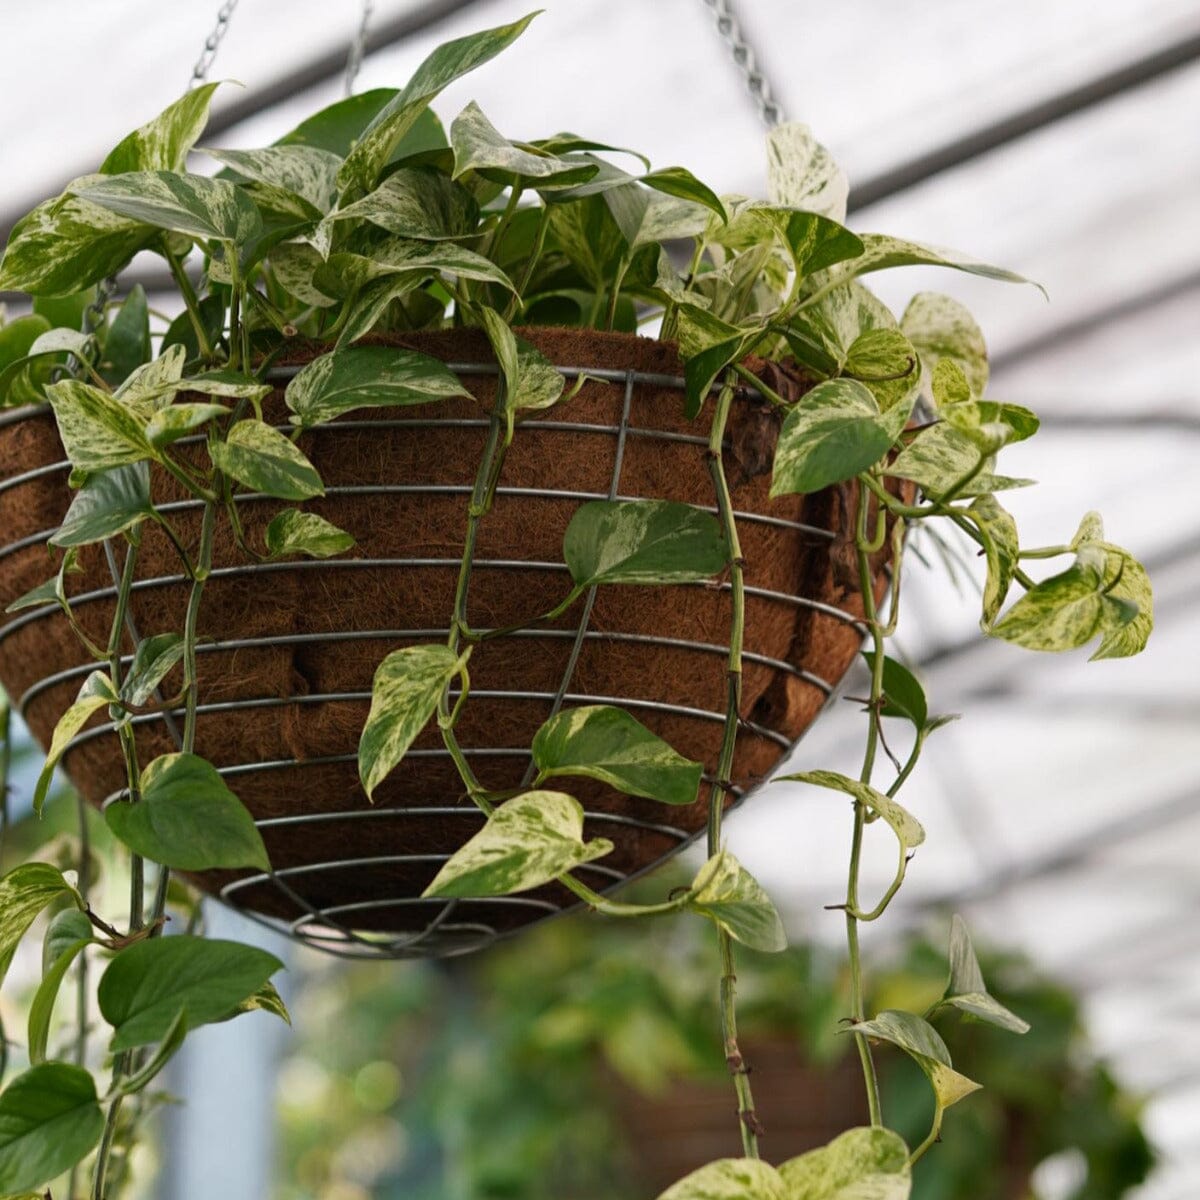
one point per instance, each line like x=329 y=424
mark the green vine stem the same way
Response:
x=935 y=1132
x=747 y=1117
x=866 y=579
x=190 y=300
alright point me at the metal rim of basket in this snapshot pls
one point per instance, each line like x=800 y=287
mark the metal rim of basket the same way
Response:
x=455 y=927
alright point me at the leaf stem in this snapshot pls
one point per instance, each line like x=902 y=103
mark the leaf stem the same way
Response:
x=857 y=1004
x=539 y=241
x=190 y=300
x=934 y=1133
x=747 y=1118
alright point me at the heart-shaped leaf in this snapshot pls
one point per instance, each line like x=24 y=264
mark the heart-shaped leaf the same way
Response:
x=801 y=173
x=730 y=1179
x=109 y=502
x=966 y=989
x=905 y=826
x=264 y=460
x=860 y=1164
x=188 y=819
x=922 y=1043
x=147 y=984
x=69 y=933
x=527 y=842
x=902 y=691
x=24 y=892
x=831 y=434
x=942 y=328
x=163 y=143
x=367 y=377
x=50 y=1118
x=606 y=743
x=404 y=695
x=725 y=891
x=418 y=204
x=97 y=430
x=152 y=662
x=643 y=541
x=295 y=532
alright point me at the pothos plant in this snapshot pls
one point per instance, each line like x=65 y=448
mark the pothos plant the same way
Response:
x=370 y=218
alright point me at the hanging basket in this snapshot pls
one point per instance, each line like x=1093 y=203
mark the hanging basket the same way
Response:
x=288 y=649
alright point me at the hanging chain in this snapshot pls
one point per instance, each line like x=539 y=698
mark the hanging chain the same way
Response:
x=358 y=46
x=211 y=43
x=743 y=55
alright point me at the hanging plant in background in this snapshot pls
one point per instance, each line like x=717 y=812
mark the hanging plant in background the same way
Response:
x=355 y=259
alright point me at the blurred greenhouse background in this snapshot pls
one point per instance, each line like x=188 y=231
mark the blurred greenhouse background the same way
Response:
x=1060 y=138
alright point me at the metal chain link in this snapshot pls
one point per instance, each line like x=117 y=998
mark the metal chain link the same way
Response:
x=358 y=46
x=211 y=43
x=743 y=55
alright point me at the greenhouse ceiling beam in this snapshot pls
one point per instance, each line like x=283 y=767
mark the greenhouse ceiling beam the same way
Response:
x=321 y=67
x=1039 y=115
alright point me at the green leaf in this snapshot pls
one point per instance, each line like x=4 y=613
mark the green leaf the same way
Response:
x=261 y=458
x=903 y=694
x=801 y=173
x=369 y=304
x=187 y=819
x=814 y=242
x=53 y=591
x=940 y=327
x=306 y=173
x=585 y=231
x=154 y=382
x=127 y=344
x=725 y=891
x=881 y=253
x=295 y=532
x=147 y=984
x=921 y=1042
x=966 y=989
x=193 y=205
x=152 y=662
x=531 y=381
x=831 y=434
x=447 y=63
x=396 y=256
x=646 y=217
x=821 y=334
x=18 y=353
x=479 y=146
x=267 y=999
x=606 y=743
x=419 y=204
x=24 y=892
x=905 y=826
x=69 y=243
x=1001 y=545
x=96 y=693
x=940 y=458
x=163 y=143
x=683 y=185
x=18 y=337
x=63 y=312
x=67 y=936
x=1064 y=612
x=1132 y=588
x=886 y=363
x=404 y=695
x=367 y=377
x=643 y=541
x=50 y=1118
x=109 y=502
x=701 y=369
x=294 y=265
x=97 y=430
x=860 y=1164
x=527 y=841
x=178 y=420
x=731 y=1179
x=337 y=127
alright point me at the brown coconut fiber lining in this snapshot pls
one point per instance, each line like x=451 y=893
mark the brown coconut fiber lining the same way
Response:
x=316 y=739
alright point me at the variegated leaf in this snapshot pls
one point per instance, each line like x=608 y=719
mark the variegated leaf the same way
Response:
x=801 y=173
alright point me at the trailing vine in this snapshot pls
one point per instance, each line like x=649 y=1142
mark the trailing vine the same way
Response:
x=369 y=218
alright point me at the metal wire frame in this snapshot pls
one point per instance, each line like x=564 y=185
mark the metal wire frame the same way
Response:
x=457 y=926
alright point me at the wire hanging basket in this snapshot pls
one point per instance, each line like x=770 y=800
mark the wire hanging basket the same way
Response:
x=289 y=648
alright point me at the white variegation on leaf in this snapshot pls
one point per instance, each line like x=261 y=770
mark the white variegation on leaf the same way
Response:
x=153 y=660
x=259 y=456
x=397 y=256
x=294 y=265
x=1001 y=546
x=831 y=434
x=175 y=421
x=444 y=65
x=643 y=541
x=801 y=173
x=860 y=1164
x=163 y=143
x=97 y=430
x=479 y=146
x=725 y=891
x=304 y=172
x=924 y=1045
x=730 y=1179
x=419 y=204
x=96 y=693
x=295 y=532
x=527 y=841
x=820 y=334
x=942 y=328
x=531 y=381
x=606 y=743
x=404 y=695
x=905 y=826
x=966 y=989
x=946 y=462
x=885 y=362
x=24 y=892
x=367 y=377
